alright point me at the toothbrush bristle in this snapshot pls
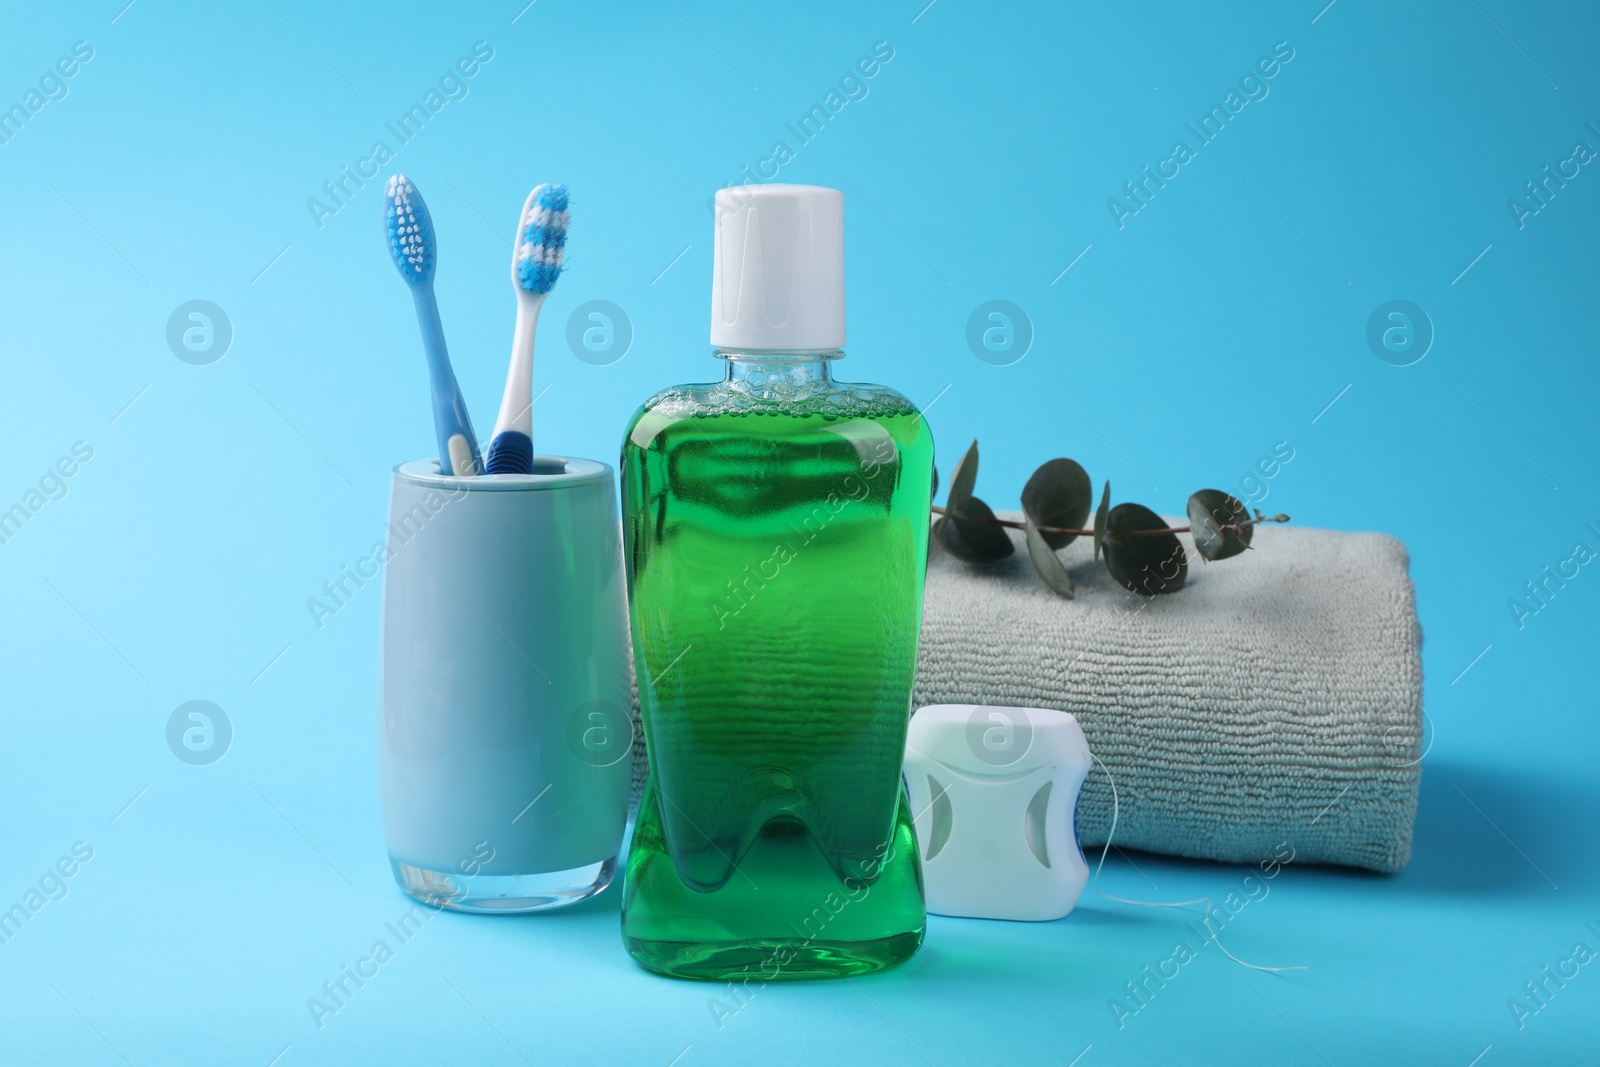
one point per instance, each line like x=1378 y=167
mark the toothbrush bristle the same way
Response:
x=410 y=231
x=543 y=238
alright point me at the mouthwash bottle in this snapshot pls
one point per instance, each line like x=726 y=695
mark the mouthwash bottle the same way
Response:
x=777 y=532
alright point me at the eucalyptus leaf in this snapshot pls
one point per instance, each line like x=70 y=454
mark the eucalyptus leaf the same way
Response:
x=1209 y=511
x=1058 y=494
x=971 y=540
x=963 y=479
x=1146 y=563
x=1100 y=523
x=1047 y=563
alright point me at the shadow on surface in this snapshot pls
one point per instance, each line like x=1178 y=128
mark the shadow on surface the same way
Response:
x=1490 y=830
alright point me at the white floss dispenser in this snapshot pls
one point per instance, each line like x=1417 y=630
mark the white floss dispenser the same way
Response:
x=996 y=792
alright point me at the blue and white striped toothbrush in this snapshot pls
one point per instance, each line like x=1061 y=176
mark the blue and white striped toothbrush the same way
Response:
x=414 y=250
x=535 y=266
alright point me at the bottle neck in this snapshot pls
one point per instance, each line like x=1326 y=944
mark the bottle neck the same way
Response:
x=769 y=369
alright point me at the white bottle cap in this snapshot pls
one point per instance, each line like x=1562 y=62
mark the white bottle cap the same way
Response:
x=777 y=275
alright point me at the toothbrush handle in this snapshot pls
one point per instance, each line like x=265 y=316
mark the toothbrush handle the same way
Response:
x=458 y=445
x=516 y=404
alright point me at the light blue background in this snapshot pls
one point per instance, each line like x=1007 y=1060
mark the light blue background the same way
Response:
x=1222 y=319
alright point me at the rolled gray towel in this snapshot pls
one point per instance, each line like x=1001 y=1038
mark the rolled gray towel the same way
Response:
x=1276 y=698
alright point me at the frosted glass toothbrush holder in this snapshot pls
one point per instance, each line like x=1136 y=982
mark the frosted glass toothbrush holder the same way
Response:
x=504 y=729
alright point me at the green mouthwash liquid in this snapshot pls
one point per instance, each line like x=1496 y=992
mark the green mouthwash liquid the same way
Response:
x=777 y=541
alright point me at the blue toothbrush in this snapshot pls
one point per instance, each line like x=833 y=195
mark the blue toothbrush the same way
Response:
x=535 y=266
x=415 y=253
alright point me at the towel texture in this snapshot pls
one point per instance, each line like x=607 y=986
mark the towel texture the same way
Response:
x=1276 y=699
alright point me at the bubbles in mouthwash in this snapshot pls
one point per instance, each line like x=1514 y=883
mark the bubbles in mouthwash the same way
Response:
x=830 y=403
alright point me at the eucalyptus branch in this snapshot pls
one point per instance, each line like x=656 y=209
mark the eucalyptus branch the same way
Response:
x=1013 y=524
x=1141 y=551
